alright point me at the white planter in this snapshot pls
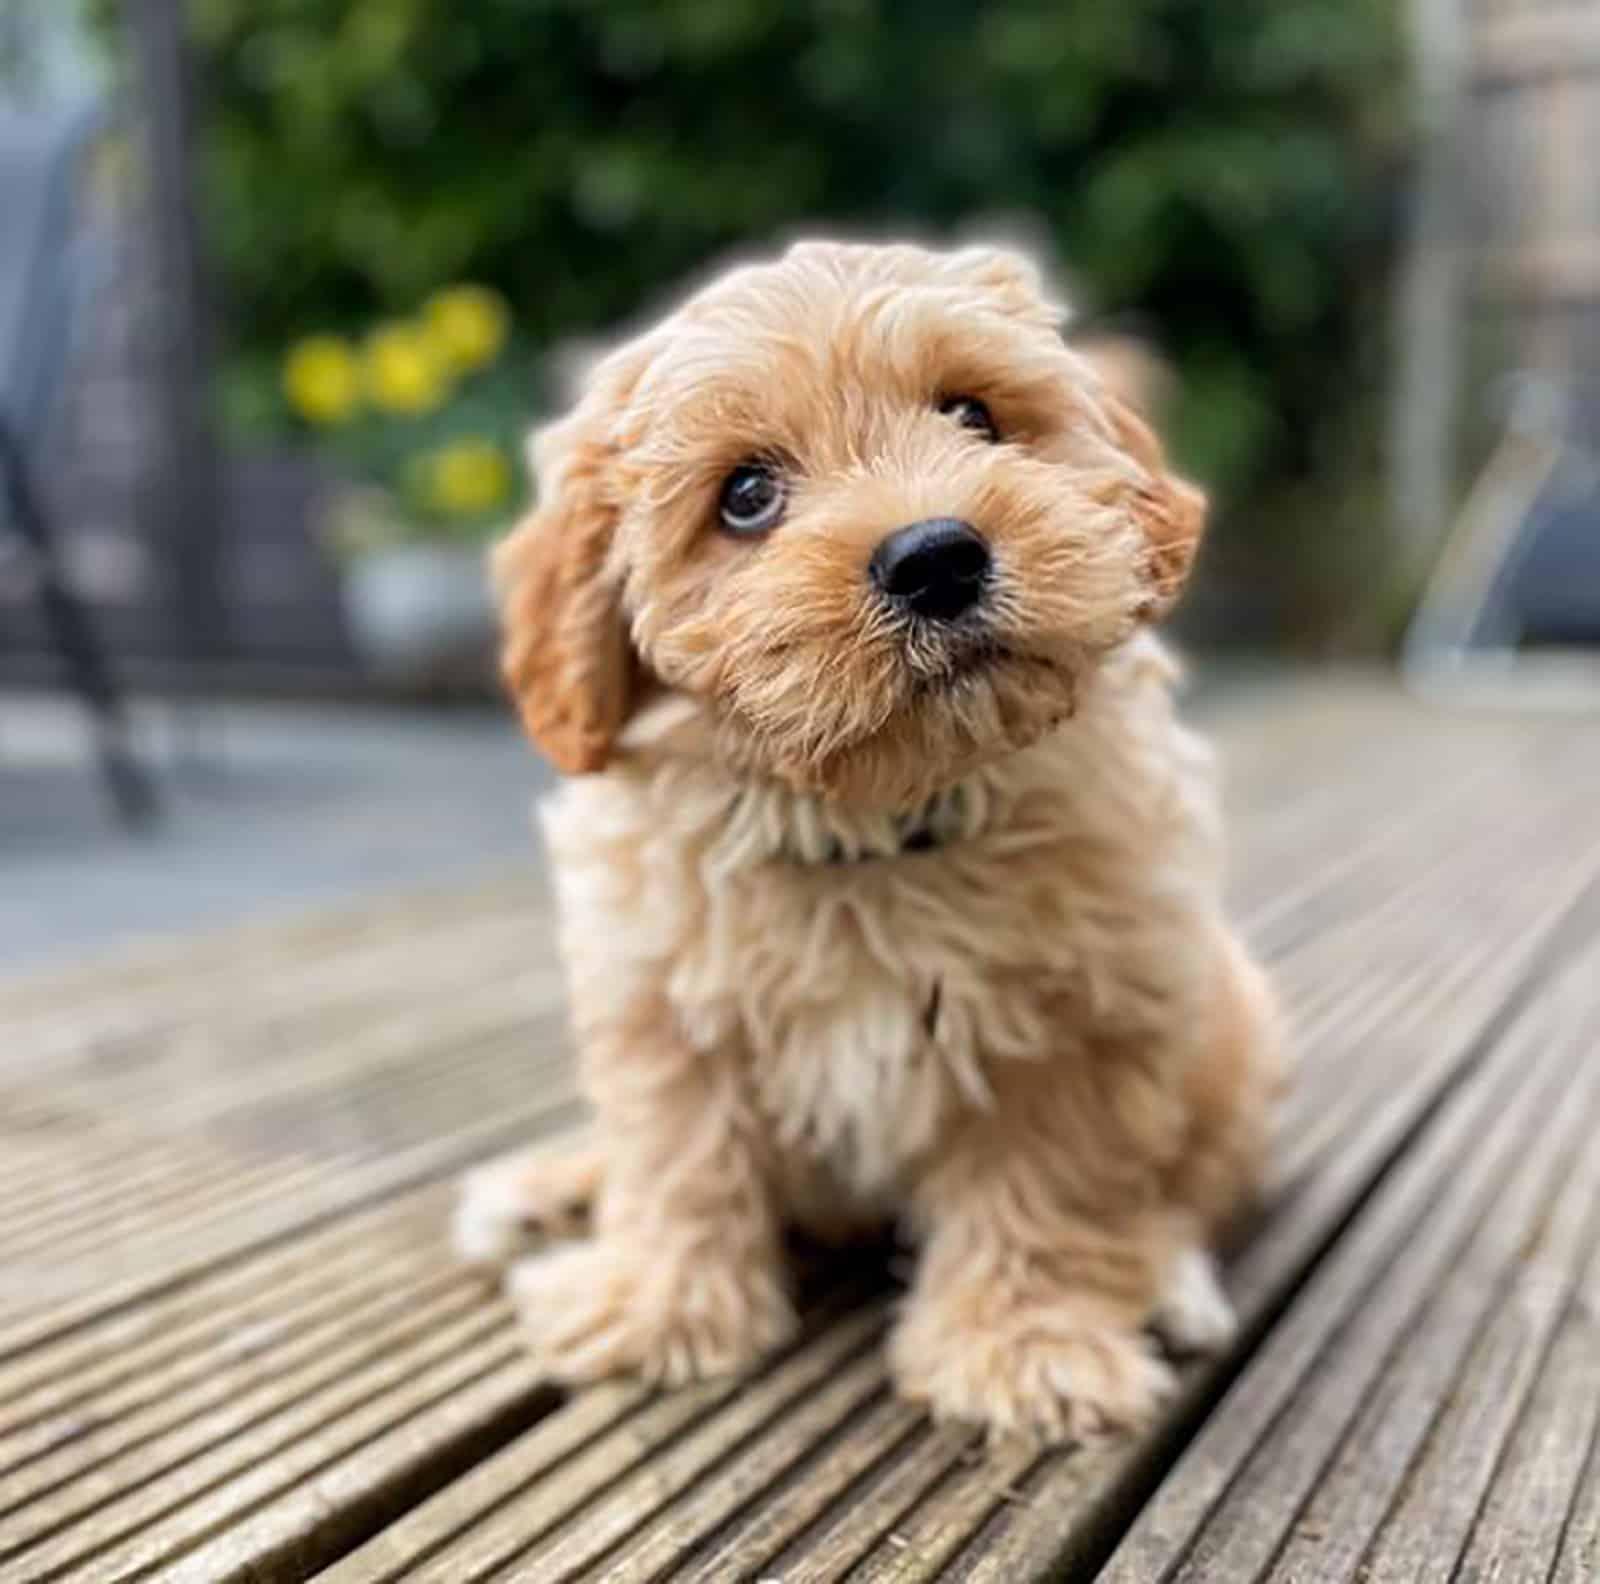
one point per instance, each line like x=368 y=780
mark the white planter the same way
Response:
x=420 y=611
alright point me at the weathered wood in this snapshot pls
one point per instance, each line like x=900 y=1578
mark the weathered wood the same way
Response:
x=295 y=1074
x=220 y=964
x=1528 y=1514
x=1360 y=1441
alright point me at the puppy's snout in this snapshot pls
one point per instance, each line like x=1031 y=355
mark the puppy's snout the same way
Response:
x=935 y=568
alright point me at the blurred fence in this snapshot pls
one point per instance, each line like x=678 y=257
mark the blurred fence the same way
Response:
x=196 y=568
x=1503 y=275
x=1531 y=137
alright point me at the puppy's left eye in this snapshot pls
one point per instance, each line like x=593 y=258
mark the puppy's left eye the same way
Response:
x=752 y=499
x=971 y=414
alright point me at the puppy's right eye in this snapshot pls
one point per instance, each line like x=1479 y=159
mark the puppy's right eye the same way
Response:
x=972 y=414
x=752 y=499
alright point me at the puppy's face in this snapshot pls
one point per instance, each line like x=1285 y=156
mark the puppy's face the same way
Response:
x=863 y=504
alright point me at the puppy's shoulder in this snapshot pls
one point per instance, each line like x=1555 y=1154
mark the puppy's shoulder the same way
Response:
x=1130 y=762
x=653 y=812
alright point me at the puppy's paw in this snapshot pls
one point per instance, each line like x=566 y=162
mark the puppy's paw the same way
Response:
x=590 y=1310
x=1194 y=1315
x=1049 y=1375
x=506 y=1204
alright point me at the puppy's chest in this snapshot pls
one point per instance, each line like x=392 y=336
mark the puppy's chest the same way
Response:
x=871 y=1012
x=863 y=1087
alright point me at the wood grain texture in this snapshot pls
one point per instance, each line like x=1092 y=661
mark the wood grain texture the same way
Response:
x=233 y=1345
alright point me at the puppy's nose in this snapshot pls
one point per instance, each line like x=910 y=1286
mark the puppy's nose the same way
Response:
x=935 y=568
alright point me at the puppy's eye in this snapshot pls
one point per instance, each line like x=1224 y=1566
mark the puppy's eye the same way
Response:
x=971 y=414
x=752 y=499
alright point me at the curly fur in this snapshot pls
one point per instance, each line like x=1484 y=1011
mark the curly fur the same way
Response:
x=1037 y=1046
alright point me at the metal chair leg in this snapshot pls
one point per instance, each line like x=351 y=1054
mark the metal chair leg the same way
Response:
x=132 y=793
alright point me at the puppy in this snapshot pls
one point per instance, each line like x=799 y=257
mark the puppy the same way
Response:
x=889 y=882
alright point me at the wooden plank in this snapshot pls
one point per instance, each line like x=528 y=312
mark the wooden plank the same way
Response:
x=1578 y=1559
x=1362 y=1438
x=168 y=1255
x=216 y=1031
x=875 y=1519
x=590 y=1516
x=711 y=1529
x=327 y=992
x=356 y=1353
x=1531 y=1511
x=294 y=1074
x=248 y=953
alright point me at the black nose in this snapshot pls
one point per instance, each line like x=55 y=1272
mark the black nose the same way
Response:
x=935 y=568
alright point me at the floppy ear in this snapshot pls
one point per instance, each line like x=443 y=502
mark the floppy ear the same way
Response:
x=1134 y=382
x=565 y=655
x=1171 y=510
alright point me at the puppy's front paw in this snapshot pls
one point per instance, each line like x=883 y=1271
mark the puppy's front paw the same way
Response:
x=1194 y=1315
x=1047 y=1370
x=590 y=1310
x=504 y=1205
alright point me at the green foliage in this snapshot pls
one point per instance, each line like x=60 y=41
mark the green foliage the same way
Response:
x=1220 y=168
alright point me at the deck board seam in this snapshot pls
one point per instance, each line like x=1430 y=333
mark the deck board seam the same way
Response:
x=1569 y=1303
x=866 y=1344
x=705 y=1544
x=425 y=1316
x=839 y=1302
x=1502 y=1284
x=864 y=1479
x=1589 y=1473
x=487 y=1140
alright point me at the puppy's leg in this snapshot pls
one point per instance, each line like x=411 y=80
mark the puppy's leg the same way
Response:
x=684 y=1276
x=1047 y=1247
x=1230 y=1095
x=544 y=1192
x=1077 y=1212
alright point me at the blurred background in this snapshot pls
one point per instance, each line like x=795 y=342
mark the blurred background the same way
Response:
x=283 y=283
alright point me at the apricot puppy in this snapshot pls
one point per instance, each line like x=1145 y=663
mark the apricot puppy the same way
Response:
x=889 y=882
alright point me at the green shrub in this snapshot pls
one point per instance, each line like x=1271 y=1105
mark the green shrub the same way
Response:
x=1220 y=168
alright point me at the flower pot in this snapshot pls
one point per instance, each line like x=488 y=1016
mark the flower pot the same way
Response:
x=420 y=613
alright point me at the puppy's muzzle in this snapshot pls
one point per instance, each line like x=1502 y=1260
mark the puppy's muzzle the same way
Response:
x=936 y=569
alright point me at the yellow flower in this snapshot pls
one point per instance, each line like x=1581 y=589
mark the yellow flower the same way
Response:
x=467 y=325
x=403 y=372
x=466 y=477
x=322 y=379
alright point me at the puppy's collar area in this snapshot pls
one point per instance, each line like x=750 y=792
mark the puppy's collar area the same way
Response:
x=958 y=812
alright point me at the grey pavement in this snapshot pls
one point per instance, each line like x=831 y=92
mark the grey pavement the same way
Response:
x=287 y=807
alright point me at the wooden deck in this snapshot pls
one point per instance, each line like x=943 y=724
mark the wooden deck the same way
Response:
x=233 y=1344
